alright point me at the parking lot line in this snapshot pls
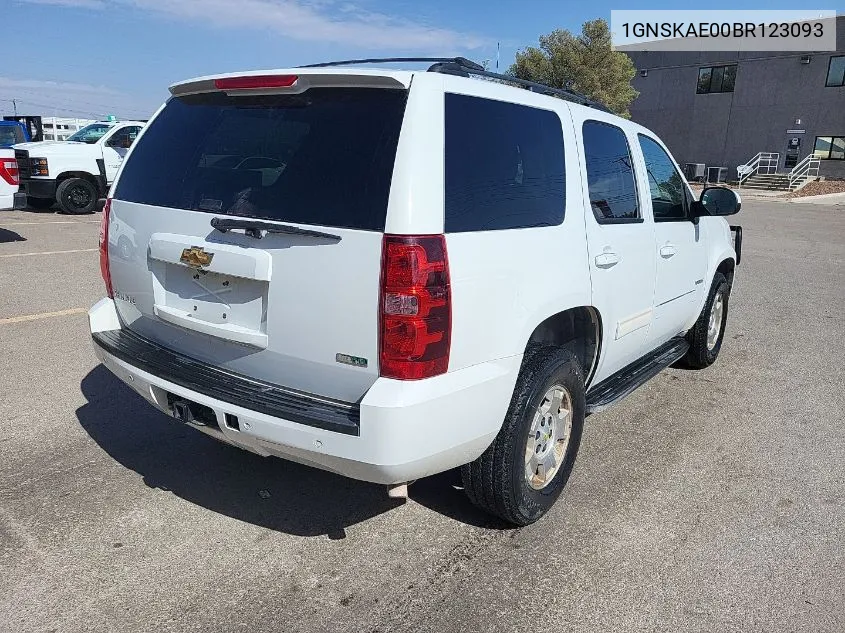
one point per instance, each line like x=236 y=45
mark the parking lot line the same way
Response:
x=78 y=250
x=52 y=222
x=42 y=315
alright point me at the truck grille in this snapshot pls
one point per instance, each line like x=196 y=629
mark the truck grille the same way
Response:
x=24 y=166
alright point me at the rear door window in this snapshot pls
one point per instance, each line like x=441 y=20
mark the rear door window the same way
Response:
x=324 y=157
x=610 y=174
x=504 y=166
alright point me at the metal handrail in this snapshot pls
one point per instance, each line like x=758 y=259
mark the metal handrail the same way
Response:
x=764 y=163
x=804 y=170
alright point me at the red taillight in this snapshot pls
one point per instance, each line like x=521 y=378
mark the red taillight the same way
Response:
x=104 y=248
x=255 y=82
x=9 y=171
x=415 y=308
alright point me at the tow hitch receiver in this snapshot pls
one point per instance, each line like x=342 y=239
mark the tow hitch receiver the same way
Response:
x=181 y=411
x=191 y=412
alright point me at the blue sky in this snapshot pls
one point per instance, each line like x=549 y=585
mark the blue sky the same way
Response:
x=96 y=57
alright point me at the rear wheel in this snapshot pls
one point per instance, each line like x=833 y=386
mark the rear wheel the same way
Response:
x=706 y=336
x=77 y=195
x=39 y=203
x=520 y=476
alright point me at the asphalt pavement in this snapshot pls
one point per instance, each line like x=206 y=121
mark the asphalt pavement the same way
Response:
x=706 y=501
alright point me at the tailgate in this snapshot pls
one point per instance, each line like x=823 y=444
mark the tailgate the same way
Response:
x=295 y=302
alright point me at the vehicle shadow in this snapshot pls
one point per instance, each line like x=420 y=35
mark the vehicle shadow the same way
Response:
x=10 y=236
x=267 y=492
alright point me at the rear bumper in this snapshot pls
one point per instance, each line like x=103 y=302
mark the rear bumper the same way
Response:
x=402 y=430
x=38 y=187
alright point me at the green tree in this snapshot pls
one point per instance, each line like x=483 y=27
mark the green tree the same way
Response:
x=585 y=63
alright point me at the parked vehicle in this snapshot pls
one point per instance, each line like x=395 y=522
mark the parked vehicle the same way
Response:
x=388 y=274
x=75 y=172
x=8 y=178
x=12 y=130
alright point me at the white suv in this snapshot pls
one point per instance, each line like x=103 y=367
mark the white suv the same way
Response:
x=388 y=274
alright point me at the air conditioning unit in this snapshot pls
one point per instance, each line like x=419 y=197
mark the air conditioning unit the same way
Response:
x=805 y=59
x=694 y=172
x=716 y=175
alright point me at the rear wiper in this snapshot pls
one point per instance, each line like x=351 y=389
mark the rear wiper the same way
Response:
x=254 y=228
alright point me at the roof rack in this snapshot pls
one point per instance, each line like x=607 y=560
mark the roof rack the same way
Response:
x=462 y=61
x=463 y=67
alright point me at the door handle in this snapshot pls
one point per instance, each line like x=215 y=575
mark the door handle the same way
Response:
x=607 y=260
x=667 y=251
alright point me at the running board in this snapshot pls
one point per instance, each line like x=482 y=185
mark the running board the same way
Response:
x=612 y=389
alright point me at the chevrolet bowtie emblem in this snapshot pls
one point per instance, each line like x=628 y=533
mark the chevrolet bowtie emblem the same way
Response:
x=196 y=257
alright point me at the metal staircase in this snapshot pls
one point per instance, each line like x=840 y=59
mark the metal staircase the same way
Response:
x=805 y=171
x=761 y=172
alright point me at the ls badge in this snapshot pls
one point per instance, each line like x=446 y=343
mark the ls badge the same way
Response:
x=355 y=361
x=196 y=257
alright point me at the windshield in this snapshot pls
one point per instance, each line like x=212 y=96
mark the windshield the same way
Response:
x=90 y=133
x=10 y=134
x=324 y=157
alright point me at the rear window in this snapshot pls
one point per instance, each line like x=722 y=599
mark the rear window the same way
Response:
x=504 y=165
x=324 y=157
x=10 y=135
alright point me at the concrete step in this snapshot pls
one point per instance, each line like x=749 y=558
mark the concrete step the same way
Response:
x=759 y=185
x=774 y=178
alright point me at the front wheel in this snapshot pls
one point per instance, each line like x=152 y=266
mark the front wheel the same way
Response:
x=520 y=476
x=706 y=336
x=77 y=195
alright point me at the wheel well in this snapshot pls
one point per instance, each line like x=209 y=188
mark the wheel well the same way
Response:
x=79 y=174
x=576 y=329
x=727 y=269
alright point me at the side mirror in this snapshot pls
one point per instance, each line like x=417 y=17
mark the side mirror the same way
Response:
x=719 y=201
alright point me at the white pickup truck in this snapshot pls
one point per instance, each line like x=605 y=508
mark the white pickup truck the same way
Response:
x=76 y=172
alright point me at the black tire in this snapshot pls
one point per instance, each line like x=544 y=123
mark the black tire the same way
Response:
x=39 y=203
x=700 y=353
x=77 y=196
x=496 y=482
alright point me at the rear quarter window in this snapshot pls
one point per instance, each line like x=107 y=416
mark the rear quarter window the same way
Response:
x=504 y=166
x=324 y=157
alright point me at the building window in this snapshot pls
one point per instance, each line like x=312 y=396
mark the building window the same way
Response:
x=836 y=71
x=610 y=174
x=716 y=79
x=830 y=147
